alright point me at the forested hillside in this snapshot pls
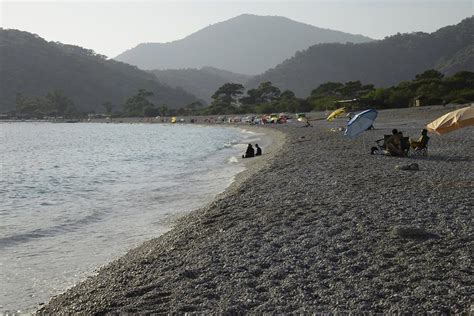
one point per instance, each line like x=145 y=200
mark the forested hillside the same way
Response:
x=33 y=67
x=200 y=82
x=382 y=63
x=428 y=88
x=247 y=44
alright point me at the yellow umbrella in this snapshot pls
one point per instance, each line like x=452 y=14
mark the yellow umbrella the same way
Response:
x=452 y=121
x=336 y=113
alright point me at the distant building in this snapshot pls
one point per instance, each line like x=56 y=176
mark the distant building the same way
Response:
x=419 y=101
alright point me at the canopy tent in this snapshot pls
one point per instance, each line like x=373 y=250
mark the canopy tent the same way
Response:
x=452 y=121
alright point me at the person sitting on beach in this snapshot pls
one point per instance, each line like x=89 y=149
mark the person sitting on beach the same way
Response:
x=394 y=143
x=249 y=153
x=259 y=150
x=421 y=142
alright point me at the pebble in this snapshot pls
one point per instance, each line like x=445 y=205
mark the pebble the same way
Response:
x=325 y=227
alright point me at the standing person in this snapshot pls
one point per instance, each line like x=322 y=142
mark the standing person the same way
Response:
x=249 y=153
x=259 y=150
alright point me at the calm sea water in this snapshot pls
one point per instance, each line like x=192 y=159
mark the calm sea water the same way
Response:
x=75 y=196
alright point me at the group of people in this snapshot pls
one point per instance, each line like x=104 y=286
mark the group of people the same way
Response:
x=395 y=143
x=251 y=152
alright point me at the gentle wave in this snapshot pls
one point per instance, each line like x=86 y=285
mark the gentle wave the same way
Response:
x=95 y=190
x=69 y=226
x=233 y=159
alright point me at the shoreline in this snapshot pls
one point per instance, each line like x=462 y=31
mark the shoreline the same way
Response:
x=322 y=226
x=272 y=140
x=170 y=219
x=253 y=165
x=276 y=139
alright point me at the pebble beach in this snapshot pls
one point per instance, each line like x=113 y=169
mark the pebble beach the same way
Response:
x=315 y=225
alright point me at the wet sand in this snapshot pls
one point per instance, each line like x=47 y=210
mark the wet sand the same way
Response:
x=319 y=226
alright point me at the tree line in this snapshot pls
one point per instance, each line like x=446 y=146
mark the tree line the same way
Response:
x=57 y=104
x=429 y=88
x=53 y=104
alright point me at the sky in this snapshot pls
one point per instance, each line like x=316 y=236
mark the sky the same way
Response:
x=111 y=27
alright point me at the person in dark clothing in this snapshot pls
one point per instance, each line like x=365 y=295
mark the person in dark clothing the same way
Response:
x=394 y=143
x=259 y=150
x=249 y=153
x=420 y=142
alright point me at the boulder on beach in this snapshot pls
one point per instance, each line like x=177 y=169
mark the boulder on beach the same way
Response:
x=414 y=232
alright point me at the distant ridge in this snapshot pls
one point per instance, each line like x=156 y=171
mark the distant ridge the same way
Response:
x=200 y=82
x=33 y=66
x=246 y=44
x=383 y=63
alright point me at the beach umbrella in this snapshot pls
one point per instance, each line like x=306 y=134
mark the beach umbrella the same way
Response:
x=335 y=114
x=360 y=122
x=452 y=121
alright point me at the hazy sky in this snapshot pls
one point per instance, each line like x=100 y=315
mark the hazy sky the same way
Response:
x=110 y=27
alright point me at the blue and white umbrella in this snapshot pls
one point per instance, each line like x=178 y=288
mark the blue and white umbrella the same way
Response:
x=360 y=122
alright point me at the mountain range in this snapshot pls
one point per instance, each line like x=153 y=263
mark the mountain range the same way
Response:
x=32 y=66
x=382 y=63
x=246 y=44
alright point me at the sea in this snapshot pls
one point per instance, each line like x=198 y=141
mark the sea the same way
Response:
x=73 y=197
